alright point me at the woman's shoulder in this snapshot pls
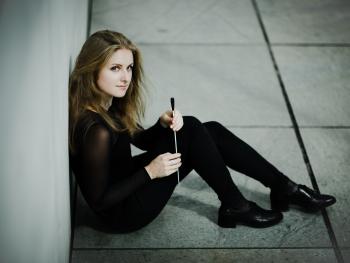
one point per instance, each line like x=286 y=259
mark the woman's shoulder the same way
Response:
x=90 y=120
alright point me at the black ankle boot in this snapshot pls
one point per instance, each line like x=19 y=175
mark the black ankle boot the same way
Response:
x=301 y=195
x=253 y=216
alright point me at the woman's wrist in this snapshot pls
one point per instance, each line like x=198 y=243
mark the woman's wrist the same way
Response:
x=148 y=170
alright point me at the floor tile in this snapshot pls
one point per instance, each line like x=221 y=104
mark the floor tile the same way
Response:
x=190 y=217
x=171 y=21
x=317 y=82
x=312 y=21
x=346 y=254
x=329 y=154
x=207 y=255
x=232 y=84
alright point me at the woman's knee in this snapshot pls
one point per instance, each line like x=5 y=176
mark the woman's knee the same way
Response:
x=216 y=130
x=191 y=121
x=213 y=125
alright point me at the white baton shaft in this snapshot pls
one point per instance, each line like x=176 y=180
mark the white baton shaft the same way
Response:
x=172 y=101
x=178 y=174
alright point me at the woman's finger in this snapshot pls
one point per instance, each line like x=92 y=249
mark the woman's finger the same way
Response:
x=172 y=170
x=172 y=156
x=174 y=162
x=181 y=124
x=179 y=120
x=176 y=122
x=178 y=126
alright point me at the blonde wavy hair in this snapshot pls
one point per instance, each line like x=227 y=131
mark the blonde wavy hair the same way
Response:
x=84 y=93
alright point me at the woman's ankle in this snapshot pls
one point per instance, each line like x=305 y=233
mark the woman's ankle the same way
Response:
x=284 y=185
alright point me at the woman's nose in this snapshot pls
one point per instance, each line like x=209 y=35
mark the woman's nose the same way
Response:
x=124 y=75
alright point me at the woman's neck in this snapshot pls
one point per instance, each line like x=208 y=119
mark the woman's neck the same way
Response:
x=107 y=103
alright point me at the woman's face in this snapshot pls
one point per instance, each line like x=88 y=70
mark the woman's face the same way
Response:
x=115 y=76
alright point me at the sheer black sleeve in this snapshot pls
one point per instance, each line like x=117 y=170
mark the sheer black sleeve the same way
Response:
x=96 y=168
x=145 y=138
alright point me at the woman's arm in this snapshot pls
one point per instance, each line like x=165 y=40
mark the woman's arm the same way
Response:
x=95 y=172
x=146 y=138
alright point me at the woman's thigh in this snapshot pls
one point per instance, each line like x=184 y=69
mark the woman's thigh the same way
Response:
x=149 y=200
x=154 y=195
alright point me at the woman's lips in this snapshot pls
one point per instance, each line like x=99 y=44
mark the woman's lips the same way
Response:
x=123 y=87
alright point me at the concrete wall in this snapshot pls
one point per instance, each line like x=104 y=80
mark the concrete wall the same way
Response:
x=39 y=40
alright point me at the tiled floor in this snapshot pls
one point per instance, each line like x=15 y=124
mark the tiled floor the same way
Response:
x=277 y=74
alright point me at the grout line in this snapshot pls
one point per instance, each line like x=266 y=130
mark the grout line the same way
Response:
x=299 y=137
x=202 y=248
x=244 y=44
x=198 y=44
x=311 y=44
x=324 y=127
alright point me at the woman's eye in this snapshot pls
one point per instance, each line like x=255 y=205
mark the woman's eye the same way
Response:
x=115 y=68
x=130 y=67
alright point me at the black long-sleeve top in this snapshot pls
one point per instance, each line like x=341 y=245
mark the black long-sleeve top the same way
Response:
x=103 y=164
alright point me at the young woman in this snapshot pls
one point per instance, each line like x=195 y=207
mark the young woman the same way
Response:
x=127 y=192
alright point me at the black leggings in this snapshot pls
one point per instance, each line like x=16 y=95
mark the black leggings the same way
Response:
x=207 y=148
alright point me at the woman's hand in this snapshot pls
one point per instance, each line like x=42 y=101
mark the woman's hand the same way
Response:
x=163 y=165
x=167 y=120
